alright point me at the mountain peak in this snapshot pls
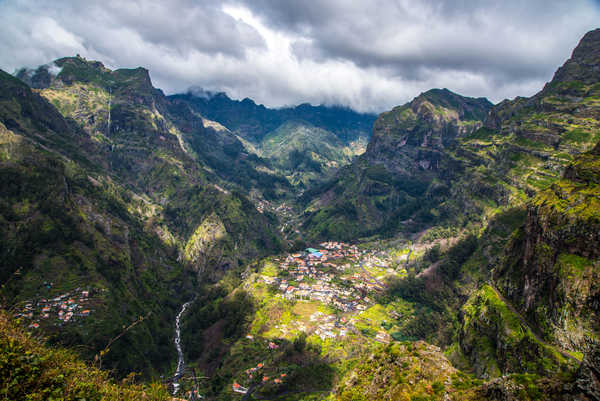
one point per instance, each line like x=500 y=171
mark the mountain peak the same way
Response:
x=588 y=45
x=468 y=108
x=70 y=70
x=584 y=64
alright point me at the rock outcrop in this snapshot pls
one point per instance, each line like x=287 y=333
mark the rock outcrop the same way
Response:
x=553 y=270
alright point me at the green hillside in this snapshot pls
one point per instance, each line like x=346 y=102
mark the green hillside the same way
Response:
x=405 y=172
x=30 y=370
x=110 y=215
x=442 y=160
x=67 y=228
x=185 y=170
x=306 y=154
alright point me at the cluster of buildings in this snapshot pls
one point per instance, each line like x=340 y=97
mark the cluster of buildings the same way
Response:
x=311 y=275
x=255 y=373
x=327 y=326
x=64 y=308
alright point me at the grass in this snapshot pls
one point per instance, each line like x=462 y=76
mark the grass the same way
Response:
x=574 y=263
x=270 y=269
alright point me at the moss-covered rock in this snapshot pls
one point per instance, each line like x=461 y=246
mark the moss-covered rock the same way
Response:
x=497 y=342
x=552 y=269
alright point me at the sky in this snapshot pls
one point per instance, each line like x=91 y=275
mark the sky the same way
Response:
x=370 y=55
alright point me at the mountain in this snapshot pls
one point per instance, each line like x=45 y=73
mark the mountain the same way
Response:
x=252 y=122
x=513 y=187
x=111 y=191
x=306 y=154
x=417 y=173
x=552 y=271
x=318 y=139
x=185 y=167
x=70 y=232
x=403 y=173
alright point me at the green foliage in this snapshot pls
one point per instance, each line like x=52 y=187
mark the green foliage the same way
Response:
x=407 y=371
x=213 y=308
x=31 y=371
x=489 y=320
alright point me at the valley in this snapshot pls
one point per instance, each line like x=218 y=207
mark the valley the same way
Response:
x=214 y=248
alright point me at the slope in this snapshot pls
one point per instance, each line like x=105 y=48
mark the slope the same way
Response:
x=552 y=270
x=33 y=371
x=253 y=122
x=304 y=153
x=431 y=162
x=78 y=263
x=185 y=168
x=404 y=172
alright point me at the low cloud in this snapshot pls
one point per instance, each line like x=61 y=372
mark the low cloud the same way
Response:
x=367 y=55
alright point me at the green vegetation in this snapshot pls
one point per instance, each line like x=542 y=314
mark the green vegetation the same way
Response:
x=306 y=154
x=396 y=185
x=405 y=371
x=490 y=325
x=478 y=231
x=30 y=370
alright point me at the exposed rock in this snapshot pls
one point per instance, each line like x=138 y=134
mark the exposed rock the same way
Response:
x=588 y=375
x=552 y=270
x=206 y=236
x=497 y=342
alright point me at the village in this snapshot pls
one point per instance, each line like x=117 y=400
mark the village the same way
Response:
x=338 y=274
x=331 y=292
x=60 y=310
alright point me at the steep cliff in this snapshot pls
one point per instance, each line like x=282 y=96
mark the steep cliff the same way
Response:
x=403 y=174
x=552 y=272
x=68 y=230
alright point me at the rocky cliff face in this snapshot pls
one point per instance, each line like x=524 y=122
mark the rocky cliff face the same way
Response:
x=560 y=121
x=405 y=171
x=67 y=226
x=498 y=342
x=588 y=375
x=410 y=138
x=205 y=243
x=527 y=143
x=552 y=272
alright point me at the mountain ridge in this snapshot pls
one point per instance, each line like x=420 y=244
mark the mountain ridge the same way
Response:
x=470 y=270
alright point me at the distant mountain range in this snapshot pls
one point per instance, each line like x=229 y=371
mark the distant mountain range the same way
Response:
x=318 y=139
x=253 y=122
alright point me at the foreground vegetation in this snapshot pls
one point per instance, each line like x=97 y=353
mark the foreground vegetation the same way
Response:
x=30 y=370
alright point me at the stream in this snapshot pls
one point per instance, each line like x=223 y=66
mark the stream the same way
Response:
x=180 y=360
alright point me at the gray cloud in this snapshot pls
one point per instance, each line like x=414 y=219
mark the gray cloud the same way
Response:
x=509 y=39
x=369 y=55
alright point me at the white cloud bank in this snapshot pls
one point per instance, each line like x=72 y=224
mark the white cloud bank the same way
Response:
x=370 y=55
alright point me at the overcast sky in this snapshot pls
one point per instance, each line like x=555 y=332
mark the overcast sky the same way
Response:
x=370 y=55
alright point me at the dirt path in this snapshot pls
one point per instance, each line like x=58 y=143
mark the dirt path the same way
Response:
x=526 y=325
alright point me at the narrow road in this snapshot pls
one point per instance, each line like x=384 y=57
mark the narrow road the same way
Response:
x=526 y=325
x=382 y=285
